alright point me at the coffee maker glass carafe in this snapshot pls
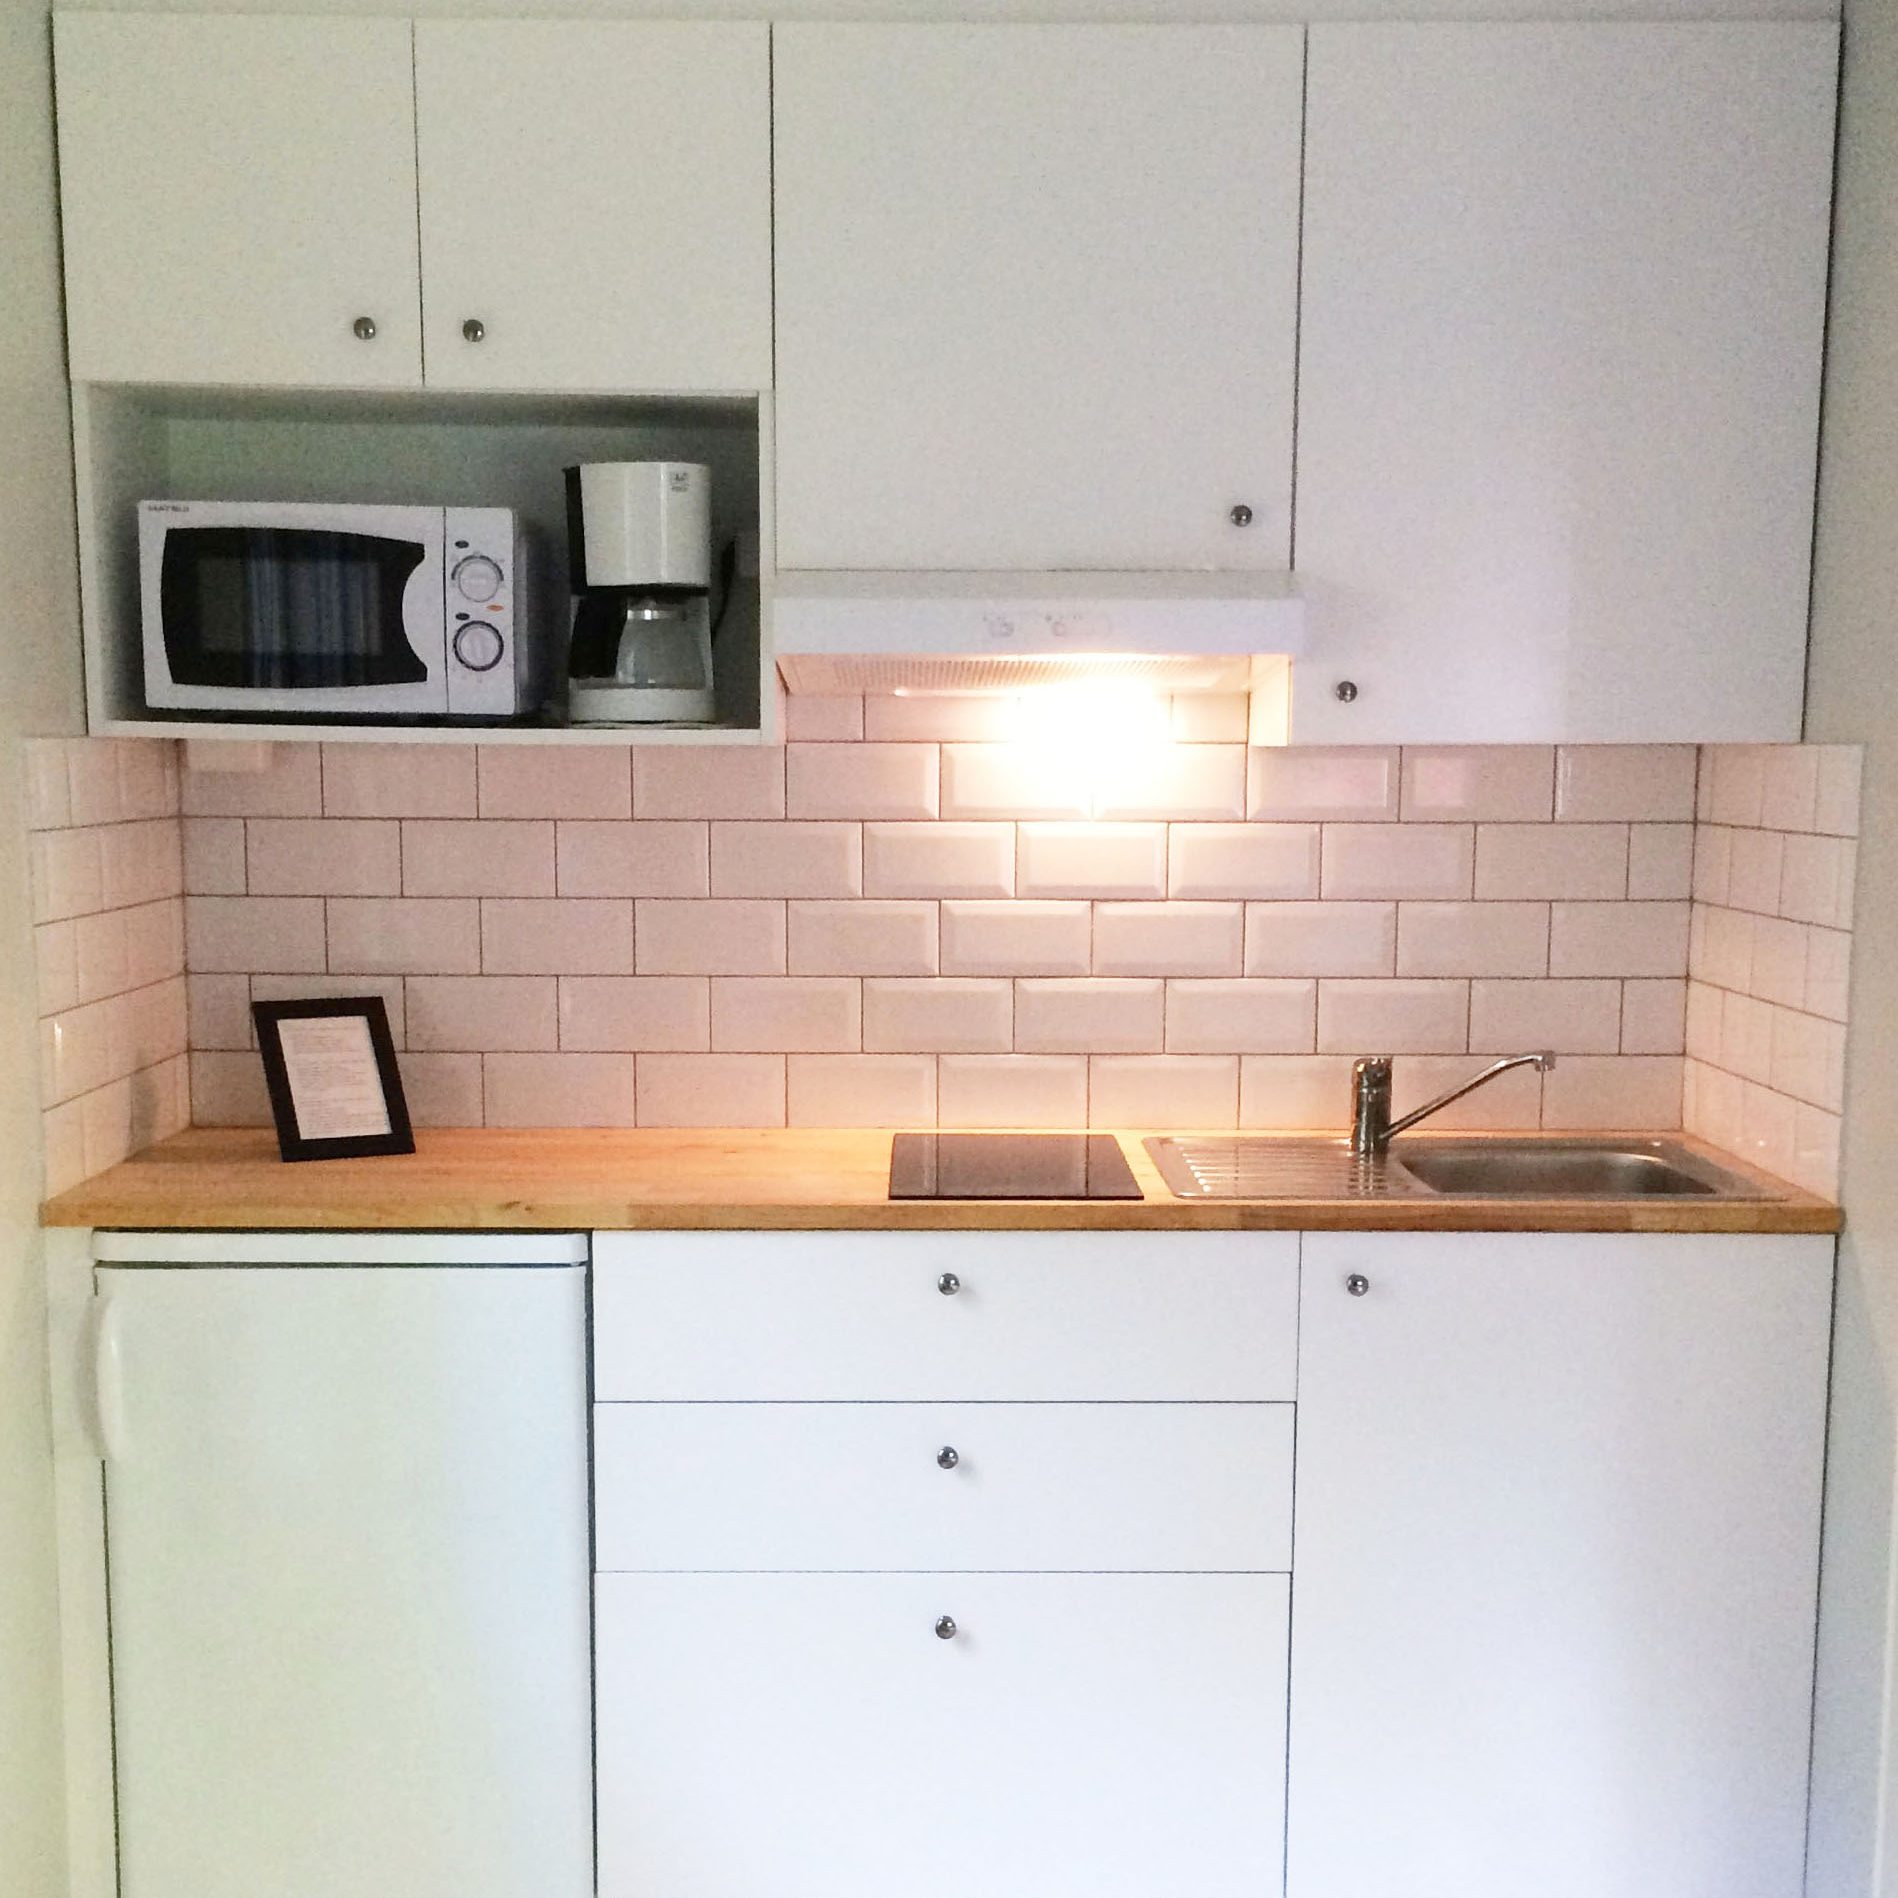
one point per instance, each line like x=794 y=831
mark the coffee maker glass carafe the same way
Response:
x=639 y=538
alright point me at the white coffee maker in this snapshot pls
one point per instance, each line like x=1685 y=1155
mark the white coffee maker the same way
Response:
x=639 y=540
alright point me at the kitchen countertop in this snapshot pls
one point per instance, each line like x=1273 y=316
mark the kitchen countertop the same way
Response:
x=547 y=1179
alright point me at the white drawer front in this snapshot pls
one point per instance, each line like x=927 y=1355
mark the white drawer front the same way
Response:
x=810 y=1736
x=1040 y=1316
x=862 y=1486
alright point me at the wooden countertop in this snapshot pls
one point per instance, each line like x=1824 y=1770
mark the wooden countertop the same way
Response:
x=550 y=1179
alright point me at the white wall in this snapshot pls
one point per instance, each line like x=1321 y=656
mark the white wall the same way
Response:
x=1854 y=697
x=39 y=692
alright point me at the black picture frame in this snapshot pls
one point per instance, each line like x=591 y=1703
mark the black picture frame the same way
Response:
x=292 y=1143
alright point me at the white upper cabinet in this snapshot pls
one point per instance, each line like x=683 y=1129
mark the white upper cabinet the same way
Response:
x=1563 y=305
x=238 y=199
x=1036 y=295
x=596 y=204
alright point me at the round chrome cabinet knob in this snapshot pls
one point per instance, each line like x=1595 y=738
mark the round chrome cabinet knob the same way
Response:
x=946 y=1628
x=474 y=329
x=948 y=1285
x=478 y=646
x=1357 y=1285
x=948 y=1457
x=1345 y=691
x=364 y=329
x=477 y=577
x=1241 y=516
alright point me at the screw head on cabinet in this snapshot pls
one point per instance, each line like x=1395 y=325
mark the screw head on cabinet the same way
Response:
x=364 y=329
x=1345 y=691
x=474 y=329
x=1357 y=1284
x=948 y=1457
x=1241 y=516
x=948 y=1285
x=946 y=1628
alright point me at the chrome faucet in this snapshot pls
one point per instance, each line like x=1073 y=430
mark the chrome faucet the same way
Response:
x=1372 y=1129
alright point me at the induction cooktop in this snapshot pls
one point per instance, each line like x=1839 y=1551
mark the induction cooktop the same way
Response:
x=1010 y=1166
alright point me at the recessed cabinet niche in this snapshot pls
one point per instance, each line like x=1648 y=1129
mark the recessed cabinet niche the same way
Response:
x=240 y=202
x=417 y=447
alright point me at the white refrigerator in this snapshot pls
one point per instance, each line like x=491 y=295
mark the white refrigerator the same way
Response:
x=347 y=1563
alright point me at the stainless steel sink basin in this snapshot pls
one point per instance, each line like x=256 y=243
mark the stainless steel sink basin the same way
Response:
x=1499 y=1170
x=1425 y=1167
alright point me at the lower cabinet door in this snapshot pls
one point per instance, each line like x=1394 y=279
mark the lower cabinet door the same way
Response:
x=941 y=1736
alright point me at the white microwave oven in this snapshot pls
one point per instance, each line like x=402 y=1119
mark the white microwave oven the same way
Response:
x=286 y=608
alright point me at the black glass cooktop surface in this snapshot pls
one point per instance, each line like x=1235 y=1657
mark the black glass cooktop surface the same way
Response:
x=1010 y=1166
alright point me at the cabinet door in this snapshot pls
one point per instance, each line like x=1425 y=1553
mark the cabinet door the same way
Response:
x=1557 y=1536
x=811 y=1736
x=1036 y=295
x=596 y=202
x=1564 y=300
x=238 y=197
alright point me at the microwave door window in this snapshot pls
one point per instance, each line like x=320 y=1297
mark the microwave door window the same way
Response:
x=289 y=608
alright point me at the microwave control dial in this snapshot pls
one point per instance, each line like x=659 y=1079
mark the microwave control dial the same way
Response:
x=477 y=577
x=478 y=646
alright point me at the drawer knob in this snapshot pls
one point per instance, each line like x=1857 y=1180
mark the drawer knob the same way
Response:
x=945 y=1627
x=948 y=1457
x=1357 y=1285
x=948 y=1285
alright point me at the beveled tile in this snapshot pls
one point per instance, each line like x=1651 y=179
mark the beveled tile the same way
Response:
x=1011 y=1090
x=860 y=1090
x=1092 y=860
x=1321 y=939
x=1609 y=783
x=862 y=937
x=490 y=857
x=787 y=859
x=708 y=937
x=711 y=1090
x=708 y=781
x=1420 y=862
x=481 y=1013
x=893 y=782
x=322 y=856
x=1277 y=862
x=576 y=781
x=943 y=1015
x=1472 y=939
x=646 y=858
x=1618 y=939
x=1244 y=1016
x=557 y=1090
x=400 y=935
x=1169 y=938
x=399 y=780
x=623 y=1013
x=1078 y=1015
x=1016 y=938
x=786 y=1014
x=1393 y=1017
x=1163 y=1090
x=938 y=860
x=1333 y=784
x=1597 y=1092
x=1544 y=861
x=1479 y=783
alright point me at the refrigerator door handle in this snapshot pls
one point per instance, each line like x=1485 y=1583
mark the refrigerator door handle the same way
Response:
x=108 y=1382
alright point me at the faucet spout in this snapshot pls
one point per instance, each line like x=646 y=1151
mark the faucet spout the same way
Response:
x=1373 y=1129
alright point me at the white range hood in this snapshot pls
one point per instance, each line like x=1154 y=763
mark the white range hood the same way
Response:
x=1007 y=632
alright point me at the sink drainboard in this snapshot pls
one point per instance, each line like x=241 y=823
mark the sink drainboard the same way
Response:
x=1212 y=1168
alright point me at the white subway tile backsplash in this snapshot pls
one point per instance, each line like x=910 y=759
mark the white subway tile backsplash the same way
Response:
x=1608 y=783
x=714 y=781
x=1660 y=862
x=404 y=935
x=670 y=1014
x=1174 y=781
x=1343 y=784
x=1552 y=860
x=1393 y=1017
x=865 y=938
x=1259 y=861
x=1190 y=933
x=1245 y=1016
x=1163 y=1090
x=939 y=860
x=1618 y=939
x=477 y=1013
x=315 y=856
x=1018 y=938
x=399 y=781
x=580 y=781
x=1419 y=862
x=787 y=859
x=1092 y=860
x=946 y=1015
x=1581 y=1016
x=707 y=937
x=1011 y=1090
x=1321 y=939
x=1511 y=1103
x=214 y=856
x=289 y=785
x=860 y=1090
x=557 y=1090
x=1011 y=781
x=1478 y=783
x=786 y=1014
x=711 y=1090
x=492 y=857
x=281 y=934
x=892 y=782
x=645 y=858
x=1079 y=1015
x=1472 y=938
x=1169 y=938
